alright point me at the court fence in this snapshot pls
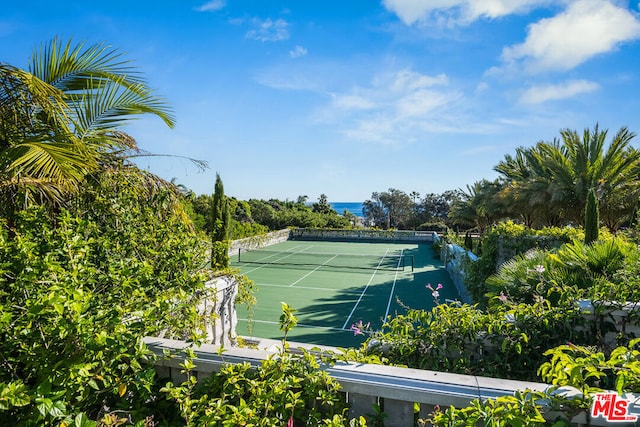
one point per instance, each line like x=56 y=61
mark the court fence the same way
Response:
x=358 y=235
x=274 y=237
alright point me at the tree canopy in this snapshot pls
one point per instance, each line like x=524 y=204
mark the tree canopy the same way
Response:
x=62 y=118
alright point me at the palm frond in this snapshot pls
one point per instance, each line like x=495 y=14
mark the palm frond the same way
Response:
x=106 y=106
x=55 y=161
x=79 y=70
x=28 y=105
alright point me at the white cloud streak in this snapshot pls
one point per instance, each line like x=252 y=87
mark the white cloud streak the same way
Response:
x=297 y=52
x=460 y=12
x=585 y=29
x=211 y=6
x=552 y=92
x=268 y=30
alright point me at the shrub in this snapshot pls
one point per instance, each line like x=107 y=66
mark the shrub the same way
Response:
x=506 y=341
x=77 y=294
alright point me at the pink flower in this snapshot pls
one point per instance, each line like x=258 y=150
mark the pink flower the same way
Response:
x=358 y=328
x=290 y=422
x=434 y=292
x=502 y=297
x=436 y=289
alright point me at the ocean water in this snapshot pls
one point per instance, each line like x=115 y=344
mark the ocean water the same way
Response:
x=353 y=207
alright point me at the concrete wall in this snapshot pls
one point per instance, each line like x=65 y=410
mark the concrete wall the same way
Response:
x=454 y=258
x=396 y=389
x=261 y=241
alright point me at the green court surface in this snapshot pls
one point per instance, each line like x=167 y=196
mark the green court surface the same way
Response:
x=339 y=284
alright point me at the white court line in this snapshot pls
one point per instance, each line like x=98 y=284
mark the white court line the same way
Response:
x=315 y=269
x=344 y=327
x=393 y=288
x=311 y=288
x=279 y=253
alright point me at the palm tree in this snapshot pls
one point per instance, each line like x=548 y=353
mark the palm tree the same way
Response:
x=480 y=206
x=526 y=189
x=62 y=118
x=554 y=178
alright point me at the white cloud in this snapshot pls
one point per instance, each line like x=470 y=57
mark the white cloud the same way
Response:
x=211 y=6
x=353 y=102
x=482 y=86
x=552 y=92
x=394 y=108
x=421 y=103
x=587 y=28
x=297 y=52
x=268 y=30
x=497 y=8
x=458 y=11
x=408 y=80
x=479 y=150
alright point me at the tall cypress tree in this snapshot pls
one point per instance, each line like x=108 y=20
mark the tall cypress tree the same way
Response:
x=221 y=218
x=591 y=218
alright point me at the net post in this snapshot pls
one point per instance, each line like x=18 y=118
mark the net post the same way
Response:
x=411 y=262
x=239 y=252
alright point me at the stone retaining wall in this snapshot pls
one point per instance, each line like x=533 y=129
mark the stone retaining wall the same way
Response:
x=261 y=241
x=359 y=235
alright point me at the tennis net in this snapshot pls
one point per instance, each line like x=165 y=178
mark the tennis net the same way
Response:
x=357 y=261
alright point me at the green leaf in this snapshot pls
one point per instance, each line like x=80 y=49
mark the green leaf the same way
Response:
x=81 y=420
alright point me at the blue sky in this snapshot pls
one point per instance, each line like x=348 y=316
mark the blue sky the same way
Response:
x=344 y=98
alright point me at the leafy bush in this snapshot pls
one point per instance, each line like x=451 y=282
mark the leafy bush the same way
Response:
x=71 y=327
x=284 y=389
x=589 y=271
x=506 y=341
x=508 y=240
x=570 y=365
x=522 y=409
x=77 y=294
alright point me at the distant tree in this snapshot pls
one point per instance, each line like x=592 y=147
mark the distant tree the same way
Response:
x=374 y=211
x=263 y=213
x=435 y=207
x=415 y=219
x=221 y=220
x=399 y=208
x=389 y=209
x=414 y=196
x=351 y=217
x=323 y=207
x=592 y=218
x=479 y=207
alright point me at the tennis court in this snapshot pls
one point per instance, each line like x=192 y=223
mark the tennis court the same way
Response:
x=333 y=285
